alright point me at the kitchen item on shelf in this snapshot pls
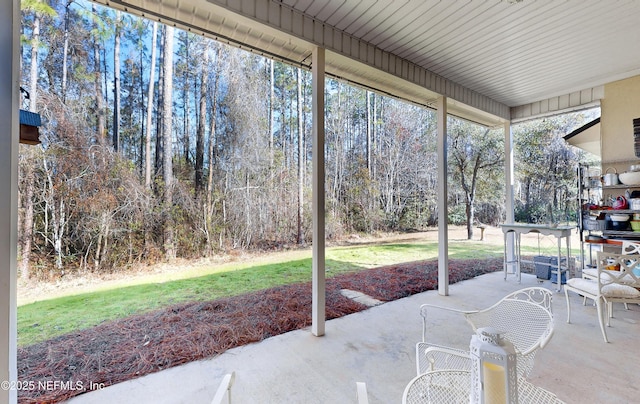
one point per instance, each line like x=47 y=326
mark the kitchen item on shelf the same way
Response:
x=634 y=203
x=592 y=238
x=635 y=225
x=629 y=177
x=594 y=224
x=594 y=182
x=617 y=217
x=613 y=267
x=634 y=167
x=618 y=222
x=636 y=216
x=618 y=226
x=620 y=203
x=609 y=179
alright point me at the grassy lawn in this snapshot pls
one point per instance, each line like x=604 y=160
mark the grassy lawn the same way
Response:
x=41 y=320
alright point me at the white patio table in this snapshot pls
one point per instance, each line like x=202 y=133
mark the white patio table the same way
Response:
x=559 y=232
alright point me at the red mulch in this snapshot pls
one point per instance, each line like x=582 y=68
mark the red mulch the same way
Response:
x=138 y=345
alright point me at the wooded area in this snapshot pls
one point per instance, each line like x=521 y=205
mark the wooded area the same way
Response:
x=158 y=143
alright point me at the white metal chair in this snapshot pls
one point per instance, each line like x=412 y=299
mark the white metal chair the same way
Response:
x=454 y=387
x=628 y=248
x=361 y=393
x=524 y=317
x=224 y=389
x=608 y=286
x=441 y=387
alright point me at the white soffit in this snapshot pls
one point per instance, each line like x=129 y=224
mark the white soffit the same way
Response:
x=586 y=137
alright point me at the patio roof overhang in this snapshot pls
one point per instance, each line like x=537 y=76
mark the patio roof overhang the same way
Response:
x=586 y=137
x=495 y=61
x=491 y=62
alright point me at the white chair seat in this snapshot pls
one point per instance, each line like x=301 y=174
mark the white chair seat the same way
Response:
x=612 y=290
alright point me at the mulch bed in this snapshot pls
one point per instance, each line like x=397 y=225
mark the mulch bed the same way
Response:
x=124 y=349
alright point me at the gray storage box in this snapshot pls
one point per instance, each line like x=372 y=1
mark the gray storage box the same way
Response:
x=543 y=266
x=543 y=269
x=563 y=279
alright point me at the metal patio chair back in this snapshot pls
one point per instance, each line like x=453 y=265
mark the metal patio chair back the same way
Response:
x=524 y=317
x=616 y=280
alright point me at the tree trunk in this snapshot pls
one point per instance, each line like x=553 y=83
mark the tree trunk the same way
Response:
x=369 y=130
x=471 y=213
x=97 y=83
x=300 y=238
x=150 y=101
x=27 y=224
x=272 y=97
x=65 y=51
x=116 y=82
x=202 y=122
x=167 y=131
x=212 y=158
x=187 y=104
x=58 y=216
x=160 y=103
x=33 y=73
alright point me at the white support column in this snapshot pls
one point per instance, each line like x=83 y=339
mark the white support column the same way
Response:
x=443 y=207
x=319 y=281
x=509 y=184
x=9 y=135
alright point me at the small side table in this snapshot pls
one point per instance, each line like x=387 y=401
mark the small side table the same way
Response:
x=559 y=232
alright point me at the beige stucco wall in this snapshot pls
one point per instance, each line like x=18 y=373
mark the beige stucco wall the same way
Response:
x=620 y=105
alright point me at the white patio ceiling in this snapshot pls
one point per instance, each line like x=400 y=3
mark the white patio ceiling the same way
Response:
x=495 y=60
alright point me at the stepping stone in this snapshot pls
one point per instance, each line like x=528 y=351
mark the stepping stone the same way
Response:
x=360 y=297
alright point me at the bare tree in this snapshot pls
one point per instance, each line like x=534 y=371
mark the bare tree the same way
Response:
x=65 y=50
x=150 y=102
x=272 y=98
x=39 y=9
x=369 y=133
x=167 y=134
x=27 y=177
x=473 y=151
x=97 y=79
x=202 y=121
x=211 y=153
x=116 y=81
x=300 y=237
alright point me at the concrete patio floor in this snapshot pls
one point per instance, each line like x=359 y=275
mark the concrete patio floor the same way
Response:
x=376 y=346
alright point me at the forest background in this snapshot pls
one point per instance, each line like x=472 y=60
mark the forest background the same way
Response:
x=158 y=143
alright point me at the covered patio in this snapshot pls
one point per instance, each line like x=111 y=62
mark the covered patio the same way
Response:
x=377 y=346
x=495 y=63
